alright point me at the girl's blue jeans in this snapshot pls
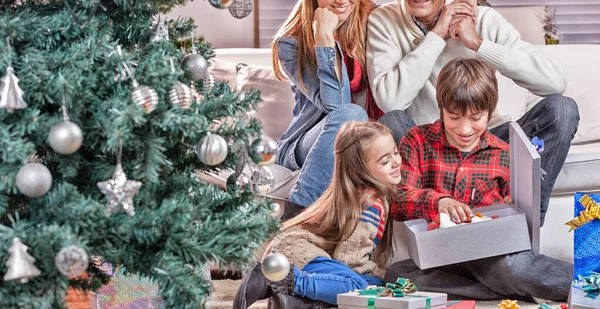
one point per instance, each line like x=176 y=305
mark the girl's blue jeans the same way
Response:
x=323 y=279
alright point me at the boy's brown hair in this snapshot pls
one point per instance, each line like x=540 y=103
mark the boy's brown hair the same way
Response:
x=467 y=84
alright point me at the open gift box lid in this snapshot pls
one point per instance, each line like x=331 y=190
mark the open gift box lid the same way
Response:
x=516 y=230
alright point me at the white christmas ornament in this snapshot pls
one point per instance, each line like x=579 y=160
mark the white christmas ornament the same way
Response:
x=20 y=265
x=212 y=149
x=65 y=137
x=275 y=266
x=119 y=191
x=11 y=95
x=34 y=180
x=72 y=261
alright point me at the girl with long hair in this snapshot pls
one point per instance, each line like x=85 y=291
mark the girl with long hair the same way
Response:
x=320 y=48
x=342 y=241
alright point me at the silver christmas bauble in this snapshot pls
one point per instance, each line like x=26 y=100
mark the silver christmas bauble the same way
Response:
x=212 y=149
x=263 y=151
x=241 y=8
x=209 y=84
x=181 y=95
x=72 y=261
x=275 y=266
x=65 y=137
x=262 y=180
x=221 y=4
x=145 y=97
x=236 y=183
x=194 y=66
x=34 y=180
x=275 y=209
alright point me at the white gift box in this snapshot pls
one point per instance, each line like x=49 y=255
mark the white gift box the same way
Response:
x=578 y=300
x=516 y=230
x=417 y=300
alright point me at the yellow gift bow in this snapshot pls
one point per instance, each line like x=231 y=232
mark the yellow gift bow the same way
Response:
x=591 y=212
x=508 y=304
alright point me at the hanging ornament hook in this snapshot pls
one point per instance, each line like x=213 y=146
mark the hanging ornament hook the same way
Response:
x=64 y=109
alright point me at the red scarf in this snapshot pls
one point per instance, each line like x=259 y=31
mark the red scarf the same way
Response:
x=355 y=73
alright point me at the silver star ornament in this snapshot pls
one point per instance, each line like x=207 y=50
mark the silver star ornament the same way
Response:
x=119 y=191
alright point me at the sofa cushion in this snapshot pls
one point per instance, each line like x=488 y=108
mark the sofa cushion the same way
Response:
x=580 y=63
x=277 y=100
x=512 y=101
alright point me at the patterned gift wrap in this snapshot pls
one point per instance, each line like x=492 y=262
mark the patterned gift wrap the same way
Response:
x=587 y=234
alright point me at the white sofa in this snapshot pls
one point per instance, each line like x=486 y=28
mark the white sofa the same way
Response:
x=581 y=171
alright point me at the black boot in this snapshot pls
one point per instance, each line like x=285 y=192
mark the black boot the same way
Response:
x=290 y=210
x=282 y=301
x=254 y=287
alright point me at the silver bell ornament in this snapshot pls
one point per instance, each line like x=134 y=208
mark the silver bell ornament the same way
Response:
x=72 y=261
x=145 y=97
x=221 y=4
x=262 y=180
x=212 y=149
x=275 y=266
x=263 y=151
x=181 y=95
x=194 y=66
x=20 y=265
x=236 y=183
x=65 y=137
x=241 y=8
x=34 y=180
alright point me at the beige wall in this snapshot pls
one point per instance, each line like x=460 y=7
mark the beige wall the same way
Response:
x=217 y=25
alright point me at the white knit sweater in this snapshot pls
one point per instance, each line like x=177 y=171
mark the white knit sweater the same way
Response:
x=403 y=67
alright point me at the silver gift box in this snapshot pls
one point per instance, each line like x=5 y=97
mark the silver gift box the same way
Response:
x=517 y=229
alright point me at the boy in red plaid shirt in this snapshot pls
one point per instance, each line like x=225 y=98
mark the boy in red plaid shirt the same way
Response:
x=454 y=165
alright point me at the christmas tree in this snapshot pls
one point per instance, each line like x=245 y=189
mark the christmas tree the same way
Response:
x=101 y=142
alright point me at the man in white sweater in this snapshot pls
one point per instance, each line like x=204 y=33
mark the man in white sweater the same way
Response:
x=409 y=41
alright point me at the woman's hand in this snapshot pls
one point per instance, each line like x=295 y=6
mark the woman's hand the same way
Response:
x=458 y=211
x=324 y=25
x=463 y=28
x=458 y=7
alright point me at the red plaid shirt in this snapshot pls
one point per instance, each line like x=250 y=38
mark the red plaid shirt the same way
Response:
x=432 y=169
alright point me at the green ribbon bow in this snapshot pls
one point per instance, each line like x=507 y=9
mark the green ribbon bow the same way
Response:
x=401 y=288
x=590 y=284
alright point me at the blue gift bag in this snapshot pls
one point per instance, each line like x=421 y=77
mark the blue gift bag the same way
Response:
x=586 y=239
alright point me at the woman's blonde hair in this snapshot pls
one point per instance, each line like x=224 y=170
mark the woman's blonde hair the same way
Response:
x=335 y=215
x=352 y=36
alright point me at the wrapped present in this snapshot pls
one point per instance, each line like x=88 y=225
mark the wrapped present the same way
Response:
x=461 y=304
x=399 y=295
x=585 y=292
x=126 y=292
x=586 y=226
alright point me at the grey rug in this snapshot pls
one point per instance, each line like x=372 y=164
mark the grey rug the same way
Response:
x=224 y=292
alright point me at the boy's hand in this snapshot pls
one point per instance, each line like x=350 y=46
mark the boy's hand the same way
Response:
x=508 y=199
x=458 y=211
x=324 y=25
